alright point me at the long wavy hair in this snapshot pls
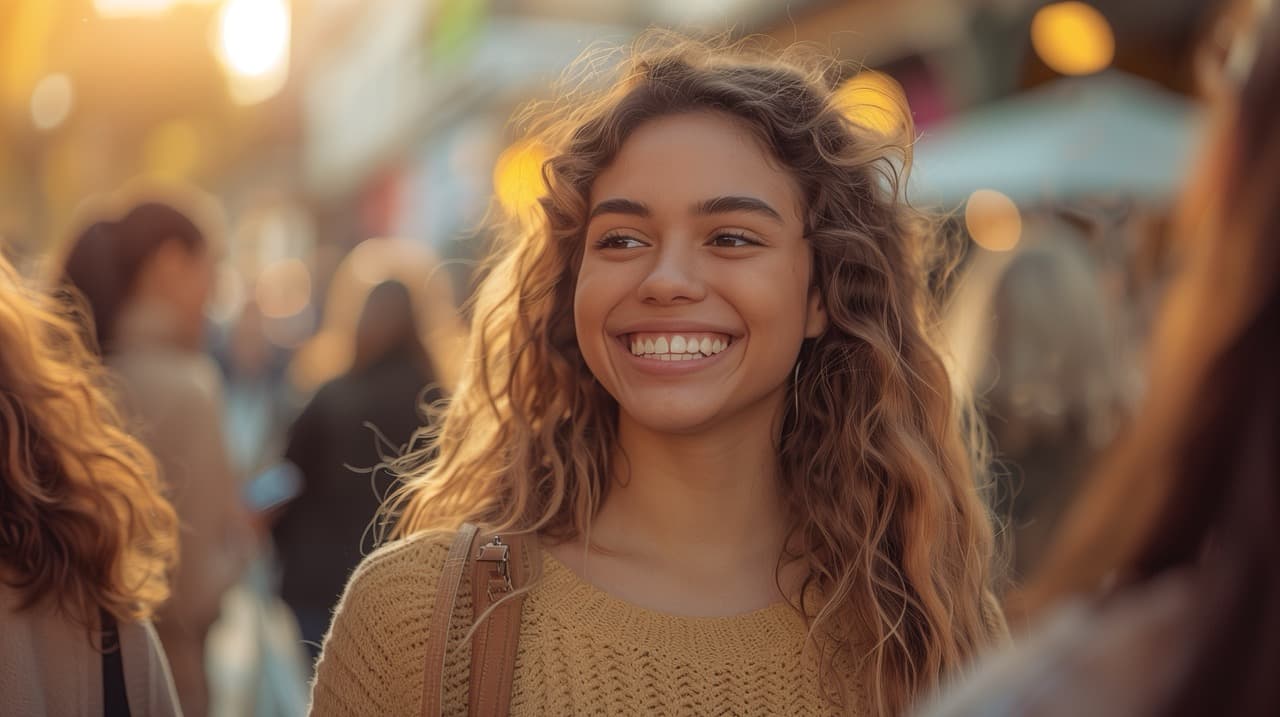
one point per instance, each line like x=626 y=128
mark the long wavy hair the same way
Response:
x=82 y=519
x=872 y=456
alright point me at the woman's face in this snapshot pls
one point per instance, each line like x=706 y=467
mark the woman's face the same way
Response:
x=694 y=292
x=180 y=278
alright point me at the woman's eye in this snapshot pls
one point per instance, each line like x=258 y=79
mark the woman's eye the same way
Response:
x=732 y=240
x=618 y=241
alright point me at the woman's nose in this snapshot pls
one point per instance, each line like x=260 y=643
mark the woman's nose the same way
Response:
x=674 y=276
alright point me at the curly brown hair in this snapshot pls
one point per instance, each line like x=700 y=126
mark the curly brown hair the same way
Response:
x=82 y=519
x=874 y=462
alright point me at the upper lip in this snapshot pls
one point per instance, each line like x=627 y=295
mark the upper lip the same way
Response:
x=673 y=327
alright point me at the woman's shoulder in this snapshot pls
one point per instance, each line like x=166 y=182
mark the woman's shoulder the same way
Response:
x=394 y=587
x=409 y=563
x=373 y=655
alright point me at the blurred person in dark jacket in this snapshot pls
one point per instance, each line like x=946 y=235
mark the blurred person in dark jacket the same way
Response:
x=147 y=276
x=1161 y=596
x=352 y=425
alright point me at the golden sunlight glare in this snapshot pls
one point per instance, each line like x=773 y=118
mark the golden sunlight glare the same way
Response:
x=1073 y=38
x=253 y=45
x=873 y=100
x=517 y=177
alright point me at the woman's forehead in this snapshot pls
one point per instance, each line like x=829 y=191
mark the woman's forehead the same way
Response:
x=688 y=159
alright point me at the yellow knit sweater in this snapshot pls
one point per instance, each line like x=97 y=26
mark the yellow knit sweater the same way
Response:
x=582 y=651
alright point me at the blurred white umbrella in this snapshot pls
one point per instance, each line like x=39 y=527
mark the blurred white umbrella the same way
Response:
x=1108 y=134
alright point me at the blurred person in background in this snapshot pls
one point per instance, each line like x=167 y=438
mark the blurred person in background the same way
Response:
x=86 y=538
x=1161 y=595
x=260 y=401
x=147 y=276
x=1049 y=376
x=353 y=425
x=702 y=377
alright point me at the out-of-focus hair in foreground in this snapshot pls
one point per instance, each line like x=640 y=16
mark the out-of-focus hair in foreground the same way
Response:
x=82 y=519
x=1195 y=483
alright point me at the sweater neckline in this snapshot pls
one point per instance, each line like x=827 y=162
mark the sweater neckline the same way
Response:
x=770 y=629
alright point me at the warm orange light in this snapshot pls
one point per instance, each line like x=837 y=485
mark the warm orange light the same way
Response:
x=874 y=100
x=1072 y=38
x=993 y=220
x=25 y=42
x=517 y=177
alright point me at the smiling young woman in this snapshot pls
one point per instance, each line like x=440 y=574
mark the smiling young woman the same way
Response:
x=704 y=384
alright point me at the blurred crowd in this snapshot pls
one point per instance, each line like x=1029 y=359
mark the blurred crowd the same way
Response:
x=276 y=455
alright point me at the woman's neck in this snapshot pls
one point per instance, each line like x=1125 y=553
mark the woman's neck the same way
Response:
x=693 y=524
x=717 y=490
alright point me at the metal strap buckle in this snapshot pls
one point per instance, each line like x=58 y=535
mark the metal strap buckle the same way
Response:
x=497 y=552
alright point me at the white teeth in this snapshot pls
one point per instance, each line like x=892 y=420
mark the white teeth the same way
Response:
x=677 y=348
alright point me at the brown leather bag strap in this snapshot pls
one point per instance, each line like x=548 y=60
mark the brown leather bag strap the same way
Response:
x=499 y=568
x=442 y=616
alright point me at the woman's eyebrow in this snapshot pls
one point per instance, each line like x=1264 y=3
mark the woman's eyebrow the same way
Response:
x=619 y=206
x=724 y=205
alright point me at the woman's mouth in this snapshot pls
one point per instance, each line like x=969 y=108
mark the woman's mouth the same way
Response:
x=683 y=346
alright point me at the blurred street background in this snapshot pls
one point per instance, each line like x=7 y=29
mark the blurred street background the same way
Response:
x=343 y=145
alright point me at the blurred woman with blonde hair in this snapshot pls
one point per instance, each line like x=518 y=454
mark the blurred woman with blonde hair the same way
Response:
x=86 y=539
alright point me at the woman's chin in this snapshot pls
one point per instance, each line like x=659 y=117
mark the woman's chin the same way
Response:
x=671 y=419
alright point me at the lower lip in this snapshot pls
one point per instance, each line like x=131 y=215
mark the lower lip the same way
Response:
x=658 y=367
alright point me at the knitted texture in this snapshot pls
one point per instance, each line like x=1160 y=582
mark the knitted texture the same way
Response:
x=582 y=651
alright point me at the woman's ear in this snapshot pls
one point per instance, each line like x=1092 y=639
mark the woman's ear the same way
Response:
x=815 y=315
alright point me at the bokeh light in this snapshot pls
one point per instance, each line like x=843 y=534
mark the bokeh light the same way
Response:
x=873 y=100
x=51 y=101
x=253 y=45
x=283 y=289
x=993 y=220
x=517 y=177
x=254 y=35
x=1073 y=38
